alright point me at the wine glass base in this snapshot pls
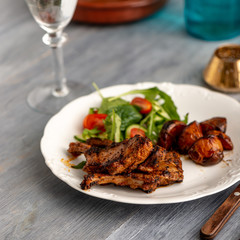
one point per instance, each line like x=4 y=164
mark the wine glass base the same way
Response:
x=41 y=99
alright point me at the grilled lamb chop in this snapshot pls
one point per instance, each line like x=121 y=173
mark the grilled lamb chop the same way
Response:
x=161 y=168
x=147 y=182
x=154 y=160
x=78 y=148
x=161 y=160
x=118 y=158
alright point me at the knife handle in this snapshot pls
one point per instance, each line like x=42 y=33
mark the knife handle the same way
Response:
x=215 y=223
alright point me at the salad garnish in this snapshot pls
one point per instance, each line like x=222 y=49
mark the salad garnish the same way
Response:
x=117 y=119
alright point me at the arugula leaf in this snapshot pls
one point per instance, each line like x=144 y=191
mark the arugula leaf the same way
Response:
x=169 y=105
x=160 y=110
x=153 y=94
x=149 y=93
x=152 y=130
x=80 y=165
x=145 y=120
x=185 y=120
x=107 y=105
x=97 y=89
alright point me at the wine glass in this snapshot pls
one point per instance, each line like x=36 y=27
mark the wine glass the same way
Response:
x=53 y=16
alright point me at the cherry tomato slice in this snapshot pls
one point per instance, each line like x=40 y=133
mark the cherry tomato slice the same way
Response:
x=94 y=120
x=144 y=104
x=137 y=131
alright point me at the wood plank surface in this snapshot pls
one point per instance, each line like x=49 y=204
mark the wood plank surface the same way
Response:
x=34 y=204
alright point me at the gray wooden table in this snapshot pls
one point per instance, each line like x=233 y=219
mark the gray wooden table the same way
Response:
x=34 y=204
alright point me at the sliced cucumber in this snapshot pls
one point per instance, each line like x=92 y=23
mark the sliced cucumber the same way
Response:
x=83 y=138
x=129 y=128
x=79 y=138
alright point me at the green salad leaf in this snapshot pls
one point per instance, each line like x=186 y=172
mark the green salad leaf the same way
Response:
x=107 y=105
x=154 y=94
x=128 y=115
x=80 y=165
x=169 y=106
x=93 y=110
x=112 y=126
x=90 y=133
x=185 y=120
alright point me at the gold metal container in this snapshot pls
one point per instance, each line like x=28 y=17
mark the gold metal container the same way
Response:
x=223 y=69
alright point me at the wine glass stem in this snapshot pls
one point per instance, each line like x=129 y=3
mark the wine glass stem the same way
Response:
x=55 y=41
x=60 y=89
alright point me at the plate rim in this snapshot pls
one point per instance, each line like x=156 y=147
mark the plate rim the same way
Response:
x=135 y=200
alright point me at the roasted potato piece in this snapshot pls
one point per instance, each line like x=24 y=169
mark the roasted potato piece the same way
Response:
x=224 y=138
x=216 y=123
x=206 y=151
x=190 y=134
x=169 y=133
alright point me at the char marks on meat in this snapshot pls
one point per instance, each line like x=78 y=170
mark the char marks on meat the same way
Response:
x=160 y=168
x=118 y=158
x=97 y=142
x=134 y=163
x=78 y=148
x=146 y=182
x=154 y=161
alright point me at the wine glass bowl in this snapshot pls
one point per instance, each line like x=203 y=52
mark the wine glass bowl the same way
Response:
x=53 y=16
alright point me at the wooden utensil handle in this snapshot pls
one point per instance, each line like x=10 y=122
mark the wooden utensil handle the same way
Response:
x=221 y=216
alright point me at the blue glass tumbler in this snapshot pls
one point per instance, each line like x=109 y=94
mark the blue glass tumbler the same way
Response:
x=212 y=19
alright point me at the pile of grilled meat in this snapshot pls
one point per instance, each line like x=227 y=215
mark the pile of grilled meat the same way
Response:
x=138 y=164
x=134 y=163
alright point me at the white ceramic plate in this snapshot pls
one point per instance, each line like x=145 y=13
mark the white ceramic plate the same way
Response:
x=198 y=181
